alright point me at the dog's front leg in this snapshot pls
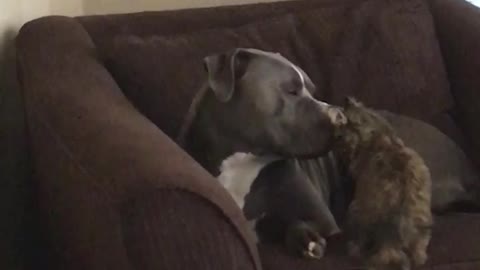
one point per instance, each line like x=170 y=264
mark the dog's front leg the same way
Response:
x=303 y=239
x=305 y=208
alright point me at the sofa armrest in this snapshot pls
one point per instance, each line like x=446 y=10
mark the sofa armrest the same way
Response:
x=457 y=23
x=174 y=229
x=93 y=151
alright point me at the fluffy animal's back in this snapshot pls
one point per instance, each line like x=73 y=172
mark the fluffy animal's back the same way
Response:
x=418 y=194
x=389 y=218
x=392 y=187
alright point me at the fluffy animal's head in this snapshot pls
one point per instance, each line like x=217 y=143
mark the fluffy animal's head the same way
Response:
x=362 y=125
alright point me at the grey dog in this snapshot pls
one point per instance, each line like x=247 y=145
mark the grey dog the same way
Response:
x=259 y=102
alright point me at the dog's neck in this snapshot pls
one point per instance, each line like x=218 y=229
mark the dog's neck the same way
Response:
x=209 y=146
x=202 y=135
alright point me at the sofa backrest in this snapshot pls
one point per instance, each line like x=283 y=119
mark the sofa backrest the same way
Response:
x=384 y=52
x=174 y=22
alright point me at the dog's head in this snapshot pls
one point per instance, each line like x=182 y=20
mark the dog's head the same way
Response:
x=265 y=101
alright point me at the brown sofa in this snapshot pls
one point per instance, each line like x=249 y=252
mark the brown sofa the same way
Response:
x=113 y=189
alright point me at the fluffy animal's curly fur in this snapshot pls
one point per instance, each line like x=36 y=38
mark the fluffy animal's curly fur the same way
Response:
x=389 y=219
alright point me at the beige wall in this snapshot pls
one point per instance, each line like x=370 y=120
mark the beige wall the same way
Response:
x=13 y=13
x=65 y=7
x=120 y=6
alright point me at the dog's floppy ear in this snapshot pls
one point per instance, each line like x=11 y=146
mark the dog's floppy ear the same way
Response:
x=224 y=70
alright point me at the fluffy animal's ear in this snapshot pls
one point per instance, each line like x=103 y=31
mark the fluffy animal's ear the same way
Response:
x=224 y=70
x=352 y=102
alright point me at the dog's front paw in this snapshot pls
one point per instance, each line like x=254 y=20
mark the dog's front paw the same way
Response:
x=303 y=240
x=315 y=250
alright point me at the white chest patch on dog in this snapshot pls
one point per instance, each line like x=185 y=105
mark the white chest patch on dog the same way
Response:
x=239 y=171
x=237 y=174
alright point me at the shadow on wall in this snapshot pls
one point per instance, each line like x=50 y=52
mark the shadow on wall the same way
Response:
x=15 y=191
x=7 y=55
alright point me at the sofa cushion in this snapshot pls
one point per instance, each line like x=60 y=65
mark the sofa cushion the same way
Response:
x=384 y=52
x=160 y=75
x=454 y=245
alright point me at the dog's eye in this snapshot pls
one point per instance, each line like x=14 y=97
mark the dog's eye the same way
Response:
x=293 y=91
x=292 y=88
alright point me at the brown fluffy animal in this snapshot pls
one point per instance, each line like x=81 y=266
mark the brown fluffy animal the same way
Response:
x=389 y=219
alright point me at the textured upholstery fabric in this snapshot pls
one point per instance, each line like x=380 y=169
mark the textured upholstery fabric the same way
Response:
x=368 y=37
x=448 y=245
x=115 y=192
x=457 y=24
x=383 y=52
x=93 y=153
x=177 y=62
x=178 y=231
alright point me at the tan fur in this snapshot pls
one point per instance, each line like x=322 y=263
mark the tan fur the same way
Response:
x=389 y=218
